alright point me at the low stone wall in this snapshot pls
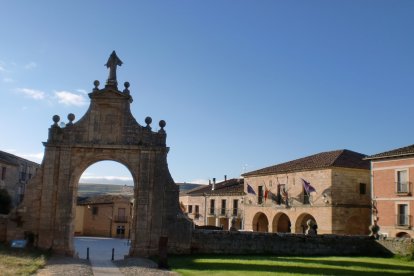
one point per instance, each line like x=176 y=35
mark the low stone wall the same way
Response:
x=398 y=246
x=225 y=242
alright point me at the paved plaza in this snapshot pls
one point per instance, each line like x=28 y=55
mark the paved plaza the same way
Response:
x=101 y=248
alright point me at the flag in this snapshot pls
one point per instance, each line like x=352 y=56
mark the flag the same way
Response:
x=266 y=194
x=308 y=187
x=284 y=194
x=272 y=196
x=250 y=190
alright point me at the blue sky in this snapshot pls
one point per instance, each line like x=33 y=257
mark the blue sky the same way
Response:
x=241 y=84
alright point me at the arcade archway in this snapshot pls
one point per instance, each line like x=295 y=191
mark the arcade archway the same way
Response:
x=281 y=223
x=260 y=222
x=300 y=226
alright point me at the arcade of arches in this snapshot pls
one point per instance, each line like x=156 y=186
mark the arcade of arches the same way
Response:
x=281 y=223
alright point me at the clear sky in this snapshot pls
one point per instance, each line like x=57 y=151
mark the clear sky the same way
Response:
x=241 y=84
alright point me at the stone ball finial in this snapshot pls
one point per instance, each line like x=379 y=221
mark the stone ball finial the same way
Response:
x=96 y=83
x=126 y=90
x=162 y=124
x=71 y=118
x=56 y=119
x=148 y=121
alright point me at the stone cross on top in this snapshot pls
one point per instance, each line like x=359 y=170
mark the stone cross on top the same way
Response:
x=112 y=63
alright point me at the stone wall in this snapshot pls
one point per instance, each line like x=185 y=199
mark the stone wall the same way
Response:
x=225 y=242
x=398 y=246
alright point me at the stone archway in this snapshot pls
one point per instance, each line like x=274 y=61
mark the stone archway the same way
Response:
x=108 y=131
x=281 y=223
x=300 y=225
x=260 y=223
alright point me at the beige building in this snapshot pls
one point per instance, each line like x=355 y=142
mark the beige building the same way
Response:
x=216 y=204
x=104 y=216
x=15 y=173
x=329 y=188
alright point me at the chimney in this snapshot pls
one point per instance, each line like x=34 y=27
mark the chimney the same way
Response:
x=225 y=177
x=214 y=184
x=209 y=182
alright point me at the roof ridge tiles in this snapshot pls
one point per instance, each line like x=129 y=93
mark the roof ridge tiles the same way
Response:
x=336 y=158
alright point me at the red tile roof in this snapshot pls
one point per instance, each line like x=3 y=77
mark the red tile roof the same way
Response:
x=400 y=152
x=338 y=158
x=232 y=186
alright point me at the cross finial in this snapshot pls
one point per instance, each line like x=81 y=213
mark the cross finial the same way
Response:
x=112 y=63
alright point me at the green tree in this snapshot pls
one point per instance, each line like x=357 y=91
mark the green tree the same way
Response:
x=5 y=201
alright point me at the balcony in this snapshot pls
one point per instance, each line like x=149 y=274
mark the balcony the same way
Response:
x=121 y=219
x=403 y=221
x=224 y=212
x=403 y=188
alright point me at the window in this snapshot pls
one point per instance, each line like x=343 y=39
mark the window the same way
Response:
x=197 y=211
x=281 y=196
x=223 y=206
x=190 y=209
x=120 y=230
x=235 y=207
x=22 y=176
x=94 y=210
x=260 y=195
x=402 y=181
x=121 y=215
x=402 y=216
x=362 y=188
x=3 y=173
x=212 y=206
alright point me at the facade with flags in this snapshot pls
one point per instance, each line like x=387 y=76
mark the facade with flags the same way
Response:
x=330 y=188
x=216 y=205
x=392 y=191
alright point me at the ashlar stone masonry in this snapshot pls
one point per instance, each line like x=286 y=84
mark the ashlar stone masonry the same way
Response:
x=107 y=131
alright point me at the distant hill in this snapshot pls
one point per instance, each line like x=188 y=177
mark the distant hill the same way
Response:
x=86 y=189
x=92 y=189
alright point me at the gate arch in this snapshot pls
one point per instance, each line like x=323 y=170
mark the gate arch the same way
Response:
x=107 y=131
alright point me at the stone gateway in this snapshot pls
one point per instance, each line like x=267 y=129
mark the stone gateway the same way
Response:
x=107 y=131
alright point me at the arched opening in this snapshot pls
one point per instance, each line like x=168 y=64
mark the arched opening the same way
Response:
x=355 y=226
x=300 y=226
x=281 y=223
x=260 y=223
x=104 y=211
x=404 y=235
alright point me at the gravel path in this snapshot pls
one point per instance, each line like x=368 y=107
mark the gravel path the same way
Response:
x=67 y=266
